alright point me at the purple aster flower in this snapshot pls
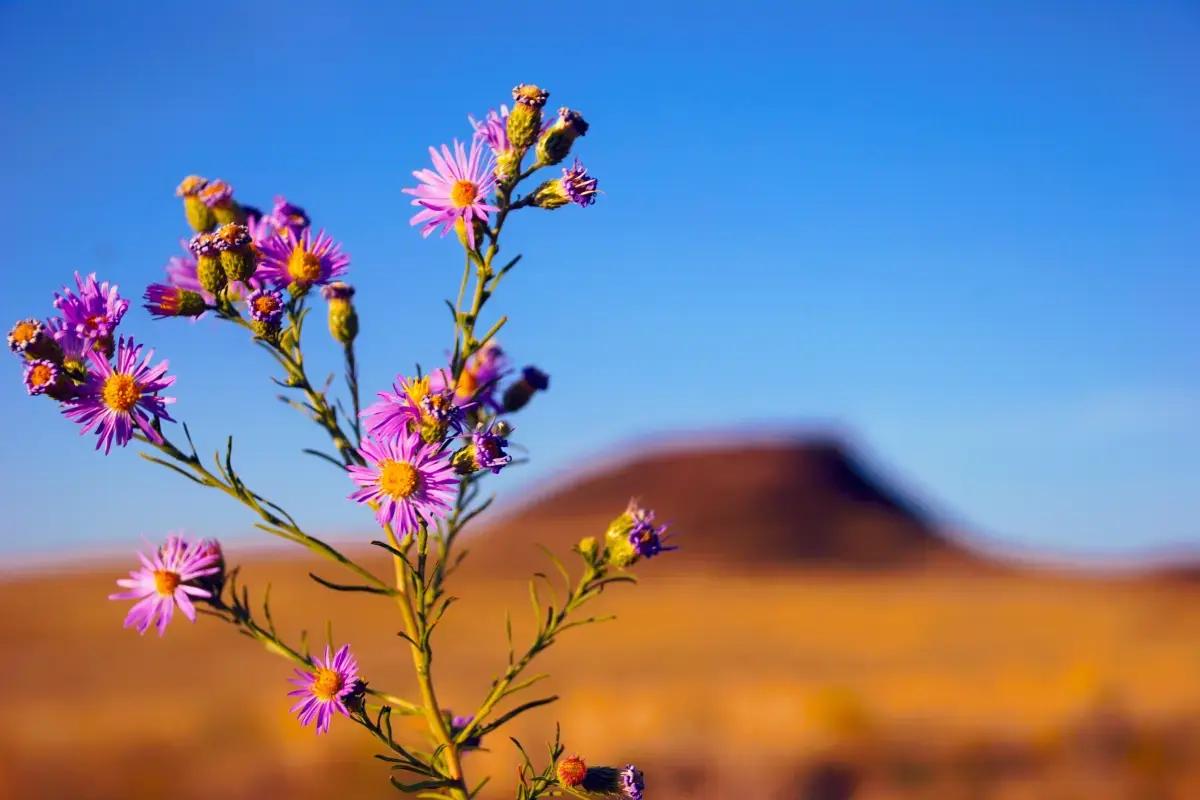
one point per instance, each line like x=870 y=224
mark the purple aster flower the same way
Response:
x=96 y=311
x=407 y=479
x=458 y=724
x=325 y=689
x=75 y=348
x=266 y=305
x=44 y=377
x=485 y=450
x=578 y=187
x=165 y=582
x=302 y=259
x=288 y=216
x=478 y=379
x=648 y=540
x=410 y=404
x=116 y=398
x=457 y=190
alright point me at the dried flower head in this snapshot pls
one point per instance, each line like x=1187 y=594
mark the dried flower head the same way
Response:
x=571 y=771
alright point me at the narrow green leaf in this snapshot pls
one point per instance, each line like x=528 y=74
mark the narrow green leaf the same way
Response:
x=340 y=587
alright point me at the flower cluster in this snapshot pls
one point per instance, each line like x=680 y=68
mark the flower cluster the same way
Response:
x=104 y=385
x=415 y=456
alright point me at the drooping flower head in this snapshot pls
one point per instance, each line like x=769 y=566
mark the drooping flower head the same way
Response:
x=96 y=311
x=164 y=300
x=406 y=478
x=520 y=392
x=324 y=690
x=458 y=190
x=116 y=398
x=485 y=449
x=215 y=581
x=412 y=406
x=626 y=782
x=633 y=536
x=167 y=581
x=303 y=260
x=288 y=216
x=478 y=379
x=575 y=186
x=558 y=137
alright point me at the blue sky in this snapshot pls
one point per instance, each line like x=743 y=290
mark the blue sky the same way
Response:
x=969 y=235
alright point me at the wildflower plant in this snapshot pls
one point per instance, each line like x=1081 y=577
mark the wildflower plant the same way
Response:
x=417 y=457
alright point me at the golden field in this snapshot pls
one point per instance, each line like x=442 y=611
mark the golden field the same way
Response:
x=947 y=679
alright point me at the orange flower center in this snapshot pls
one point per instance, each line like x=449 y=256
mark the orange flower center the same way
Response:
x=327 y=683
x=93 y=322
x=303 y=266
x=121 y=392
x=398 y=479
x=166 y=582
x=463 y=194
x=266 y=304
x=467 y=384
x=24 y=332
x=40 y=375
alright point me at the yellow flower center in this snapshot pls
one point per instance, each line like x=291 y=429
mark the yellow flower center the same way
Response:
x=463 y=194
x=24 y=332
x=121 y=392
x=166 y=582
x=417 y=390
x=190 y=185
x=266 y=304
x=327 y=684
x=398 y=479
x=303 y=266
x=40 y=375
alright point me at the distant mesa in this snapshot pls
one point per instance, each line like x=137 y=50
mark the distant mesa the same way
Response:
x=804 y=500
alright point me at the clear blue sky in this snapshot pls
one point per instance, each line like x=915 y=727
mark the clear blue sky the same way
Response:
x=971 y=235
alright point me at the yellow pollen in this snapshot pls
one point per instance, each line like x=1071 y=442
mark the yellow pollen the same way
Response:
x=265 y=305
x=121 y=392
x=303 y=266
x=398 y=479
x=417 y=390
x=40 y=375
x=73 y=364
x=24 y=332
x=190 y=185
x=463 y=194
x=327 y=683
x=166 y=582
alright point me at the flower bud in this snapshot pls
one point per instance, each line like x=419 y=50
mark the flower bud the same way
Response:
x=525 y=120
x=343 y=319
x=236 y=249
x=571 y=771
x=208 y=264
x=29 y=338
x=485 y=451
x=458 y=725
x=519 y=393
x=555 y=144
x=266 y=313
x=164 y=300
x=198 y=214
x=588 y=548
x=218 y=196
x=356 y=700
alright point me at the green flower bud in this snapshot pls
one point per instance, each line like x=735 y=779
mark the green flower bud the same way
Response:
x=479 y=231
x=267 y=331
x=343 y=319
x=525 y=119
x=226 y=213
x=555 y=144
x=465 y=462
x=210 y=273
x=199 y=215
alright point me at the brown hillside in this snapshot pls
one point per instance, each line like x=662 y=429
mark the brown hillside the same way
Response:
x=804 y=501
